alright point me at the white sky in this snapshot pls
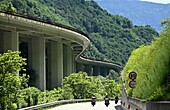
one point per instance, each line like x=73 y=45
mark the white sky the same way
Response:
x=158 y=1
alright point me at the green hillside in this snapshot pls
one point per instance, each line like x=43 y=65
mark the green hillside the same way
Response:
x=151 y=63
x=112 y=37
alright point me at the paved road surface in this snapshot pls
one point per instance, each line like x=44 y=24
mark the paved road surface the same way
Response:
x=88 y=106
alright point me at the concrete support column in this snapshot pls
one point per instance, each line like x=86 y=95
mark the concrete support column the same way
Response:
x=108 y=70
x=59 y=63
x=9 y=41
x=30 y=54
x=55 y=64
x=104 y=71
x=68 y=60
x=48 y=66
x=88 y=70
x=1 y=42
x=96 y=70
x=38 y=62
x=74 y=64
x=79 y=67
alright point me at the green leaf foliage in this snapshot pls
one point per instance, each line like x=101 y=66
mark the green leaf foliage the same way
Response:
x=49 y=96
x=113 y=37
x=112 y=88
x=10 y=83
x=15 y=93
x=30 y=96
x=83 y=86
x=10 y=87
x=11 y=62
x=151 y=63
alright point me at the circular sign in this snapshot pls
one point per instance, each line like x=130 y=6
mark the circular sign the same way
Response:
x=132 y=75
x=132 y=84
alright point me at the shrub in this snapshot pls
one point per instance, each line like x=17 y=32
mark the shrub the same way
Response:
x=80 y=85
x=53 y=95
x=30 y=95
x=151 y=63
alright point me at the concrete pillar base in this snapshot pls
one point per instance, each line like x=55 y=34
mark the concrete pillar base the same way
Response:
x=38 y=62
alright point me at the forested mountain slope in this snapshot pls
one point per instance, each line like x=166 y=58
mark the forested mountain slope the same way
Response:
x=140 y=12
x=112 y=37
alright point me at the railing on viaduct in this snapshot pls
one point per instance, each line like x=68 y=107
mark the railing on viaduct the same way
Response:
x=62 y=102
x=44 y=21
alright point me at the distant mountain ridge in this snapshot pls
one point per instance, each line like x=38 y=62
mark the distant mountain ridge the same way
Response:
x=140 y=12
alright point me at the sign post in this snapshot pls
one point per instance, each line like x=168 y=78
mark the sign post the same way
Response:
x=132 y=84
x=132 y=76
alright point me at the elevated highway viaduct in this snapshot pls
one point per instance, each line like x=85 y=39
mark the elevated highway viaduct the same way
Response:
x=60 y=43
x=53 y=50
x=95 y=68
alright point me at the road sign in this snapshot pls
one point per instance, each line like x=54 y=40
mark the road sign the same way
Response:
x=132 y=75
x=132 y=84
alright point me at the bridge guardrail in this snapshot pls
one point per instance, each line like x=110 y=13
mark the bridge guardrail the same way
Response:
x=59 y=103
x=38 y=19
x=136 y=104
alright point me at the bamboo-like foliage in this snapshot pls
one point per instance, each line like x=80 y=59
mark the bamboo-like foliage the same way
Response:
x=151 y=63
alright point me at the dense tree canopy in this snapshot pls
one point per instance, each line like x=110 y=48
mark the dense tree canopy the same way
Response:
x=15 y=93
x=151 y=63
x=10 y=83
x=84 y=86
x=112 y=37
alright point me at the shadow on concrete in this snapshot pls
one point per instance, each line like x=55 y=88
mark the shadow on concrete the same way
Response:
x=118 y=107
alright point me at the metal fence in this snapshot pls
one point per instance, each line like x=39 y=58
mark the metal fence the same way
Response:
x=59 y=103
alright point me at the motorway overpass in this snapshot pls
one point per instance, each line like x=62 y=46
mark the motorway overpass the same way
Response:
x=59 y=43
x=95 y=68
x=53 y=50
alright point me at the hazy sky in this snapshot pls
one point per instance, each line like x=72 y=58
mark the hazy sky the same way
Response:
x=158 y=1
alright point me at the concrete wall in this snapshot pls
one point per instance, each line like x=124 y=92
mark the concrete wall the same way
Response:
x=9 y=41
x=129 y=103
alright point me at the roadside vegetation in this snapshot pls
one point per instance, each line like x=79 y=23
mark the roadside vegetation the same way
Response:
x=16 y=93
x=112 y=39
x=152 y=65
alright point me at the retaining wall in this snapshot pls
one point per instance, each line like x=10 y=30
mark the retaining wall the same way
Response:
x=129 y=103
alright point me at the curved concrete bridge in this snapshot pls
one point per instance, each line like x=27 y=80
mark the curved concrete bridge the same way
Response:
x=95 y=68
x=53 y=50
